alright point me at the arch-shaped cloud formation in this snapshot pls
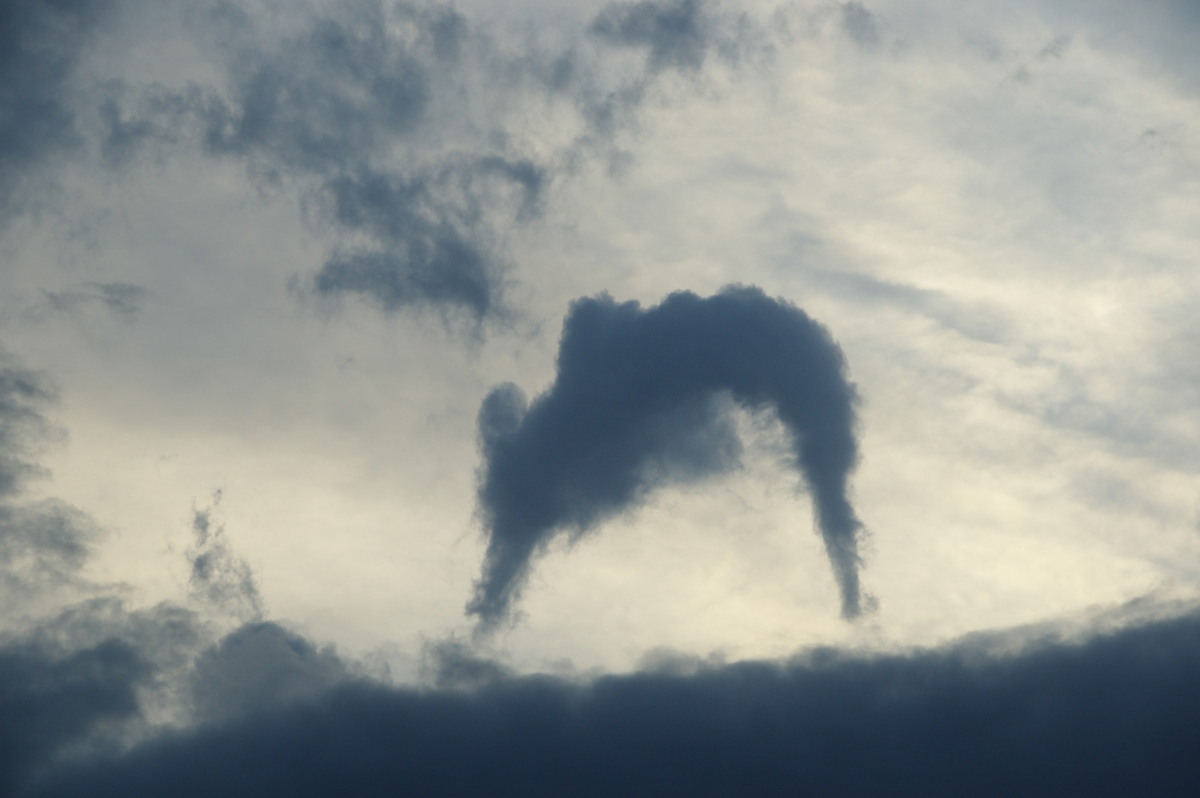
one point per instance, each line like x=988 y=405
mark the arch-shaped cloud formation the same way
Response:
x=641 y=398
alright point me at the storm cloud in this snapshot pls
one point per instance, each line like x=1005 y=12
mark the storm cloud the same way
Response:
x=640 y=400
x=1113 y=714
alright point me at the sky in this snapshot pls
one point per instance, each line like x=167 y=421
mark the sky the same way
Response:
x=675 y=397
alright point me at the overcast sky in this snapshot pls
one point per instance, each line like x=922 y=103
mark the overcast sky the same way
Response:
x=797 y=390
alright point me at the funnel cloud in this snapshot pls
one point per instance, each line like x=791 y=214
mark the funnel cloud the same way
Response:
x=643 y=398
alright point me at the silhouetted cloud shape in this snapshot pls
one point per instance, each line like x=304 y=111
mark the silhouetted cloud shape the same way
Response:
x=639 y=400
x=1114 y=715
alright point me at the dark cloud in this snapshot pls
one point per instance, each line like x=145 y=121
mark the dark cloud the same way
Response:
x=323 y=100
x=23 y=396
x=48 y=700
x=1116 y=714
x=371 y=112
x=671 y=32
x=40 y=45
x=259 y=666
x=339 y=108
x=328 y=105
x=642 y=398
x=428 y=232
x=80 y=672
x=220 y=580
x=42 y=545
x=673 y=38
x=90 y=680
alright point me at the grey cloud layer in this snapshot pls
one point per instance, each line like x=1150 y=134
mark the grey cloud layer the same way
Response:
x=370 y=113
x=638 y=401
x=60 y=678
x=352 y=111
x=40 y=46
x=1113 y=715
x=366 y=110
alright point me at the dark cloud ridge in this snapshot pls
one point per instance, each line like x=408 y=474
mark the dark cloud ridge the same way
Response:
x=1116 y=714
x=641 y=398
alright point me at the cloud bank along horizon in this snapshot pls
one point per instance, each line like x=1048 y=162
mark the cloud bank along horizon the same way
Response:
x=641 y=398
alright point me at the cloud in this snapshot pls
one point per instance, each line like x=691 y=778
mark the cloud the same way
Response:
x=123 y=300
x=42 y=545
x=221 y=580
x=1109 y=714
x=425 y=248
x=860 y=24
x=260 y=666
x=671 y=32
x=349 y=108
x=329 y=104
x=410 y=132
x=642 y=399
x=40 y=46
x=418 y=142
x=48 y=699
x=81 y=672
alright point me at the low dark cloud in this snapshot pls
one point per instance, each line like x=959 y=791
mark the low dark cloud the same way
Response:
x=1116 y=714
x=41 y=42
x=642 y=398
x=260 y=666
x=48 y=700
